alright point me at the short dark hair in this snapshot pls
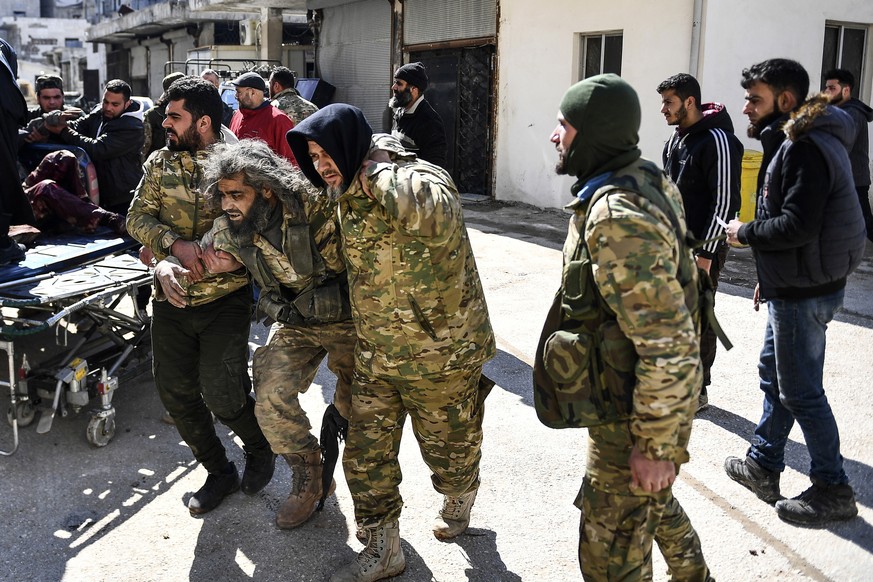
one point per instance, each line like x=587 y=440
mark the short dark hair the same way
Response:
x=201 y=98
x=781 y=75
x=284 y=76
x=842 y=76
x=119 y=86
x=684 y=85
x=49 y=82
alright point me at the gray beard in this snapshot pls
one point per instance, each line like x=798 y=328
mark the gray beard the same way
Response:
x=334 y=192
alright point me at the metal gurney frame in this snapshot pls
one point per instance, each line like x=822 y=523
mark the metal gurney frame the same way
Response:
x=78 y=284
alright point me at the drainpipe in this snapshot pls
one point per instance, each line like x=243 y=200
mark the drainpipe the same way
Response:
x=696 y=30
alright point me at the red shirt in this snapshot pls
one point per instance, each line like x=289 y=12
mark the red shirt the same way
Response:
x=267 y=124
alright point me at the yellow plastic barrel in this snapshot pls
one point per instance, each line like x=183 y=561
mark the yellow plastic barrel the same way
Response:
x=749 y=184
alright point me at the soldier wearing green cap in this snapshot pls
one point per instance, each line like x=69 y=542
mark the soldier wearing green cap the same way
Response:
x=626 y=250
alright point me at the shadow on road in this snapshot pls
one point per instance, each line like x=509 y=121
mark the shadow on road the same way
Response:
x=512 y=375
x=486 y=565
x=797 y=457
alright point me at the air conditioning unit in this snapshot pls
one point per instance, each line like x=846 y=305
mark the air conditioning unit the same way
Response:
x=249 y=30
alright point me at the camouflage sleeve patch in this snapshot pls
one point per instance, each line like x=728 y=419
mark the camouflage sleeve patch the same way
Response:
x=143 y=222
x=635 y=257
x=421 y=197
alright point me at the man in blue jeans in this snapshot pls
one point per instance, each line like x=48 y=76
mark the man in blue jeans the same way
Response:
x=808 y=236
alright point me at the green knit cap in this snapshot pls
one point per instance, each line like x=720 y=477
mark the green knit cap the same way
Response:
x=605 y=111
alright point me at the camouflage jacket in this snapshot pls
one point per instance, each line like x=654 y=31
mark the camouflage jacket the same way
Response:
x=167 y=206
x=293 y=105
x=635 y=258
x=416 y=297
x=321 y=213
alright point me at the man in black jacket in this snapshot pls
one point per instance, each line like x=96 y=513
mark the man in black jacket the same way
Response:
x=838 y=86
x=808 y=236
x=704 y=158
x=113 y=139
x=416 y=124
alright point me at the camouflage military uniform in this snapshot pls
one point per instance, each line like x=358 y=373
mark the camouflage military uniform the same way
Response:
x=635 y=260
x=287 y=364
x=423 y=332
x=200 y=353
x=293 y=105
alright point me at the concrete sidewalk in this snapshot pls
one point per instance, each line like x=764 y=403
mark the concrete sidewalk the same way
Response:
x=74 y=513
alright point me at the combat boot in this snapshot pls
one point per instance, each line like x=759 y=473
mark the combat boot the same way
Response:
x=818 y=505
x=381 y=558
x=259 y=470
x=454 y=517
x=217 y=487
x=305 y=493
x=755 y=478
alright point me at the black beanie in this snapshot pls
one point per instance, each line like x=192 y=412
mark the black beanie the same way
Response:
x=414 y=74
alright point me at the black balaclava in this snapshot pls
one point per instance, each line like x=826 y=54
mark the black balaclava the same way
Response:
x=342 y=131
x=605 y=111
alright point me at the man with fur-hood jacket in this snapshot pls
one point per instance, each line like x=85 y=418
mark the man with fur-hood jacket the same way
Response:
x=113 y=137
x=704 y=159
x=808 y=236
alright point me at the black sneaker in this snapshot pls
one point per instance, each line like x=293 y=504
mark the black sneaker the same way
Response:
x=755 y=478
x=217 y=487
x=819 y=505
x=259 y=470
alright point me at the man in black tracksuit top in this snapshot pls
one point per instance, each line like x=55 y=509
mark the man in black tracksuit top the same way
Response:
x=704 y=158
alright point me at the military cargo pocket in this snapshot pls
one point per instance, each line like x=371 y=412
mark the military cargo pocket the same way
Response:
x=579 y=292
x=566 y=356
x=618 y=351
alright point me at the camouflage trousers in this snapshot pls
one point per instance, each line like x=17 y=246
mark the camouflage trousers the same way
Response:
x=619 y=523
x=285 y=368
x=446 y=412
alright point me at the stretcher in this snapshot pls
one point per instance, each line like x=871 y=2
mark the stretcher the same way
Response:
x=70 y=290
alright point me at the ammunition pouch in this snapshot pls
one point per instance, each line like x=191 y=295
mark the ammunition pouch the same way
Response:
x=327 y=303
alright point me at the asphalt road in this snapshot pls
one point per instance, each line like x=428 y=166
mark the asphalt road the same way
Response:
x=74 y=513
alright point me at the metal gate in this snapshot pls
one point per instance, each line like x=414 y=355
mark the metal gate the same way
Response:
x=460 y=90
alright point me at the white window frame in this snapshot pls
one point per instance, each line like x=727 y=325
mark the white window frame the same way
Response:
x=582 y=47
x=864 y=92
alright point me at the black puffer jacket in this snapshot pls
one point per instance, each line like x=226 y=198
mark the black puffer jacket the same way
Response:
x=808 y=235
x=705 y=162
x=114 y=146
x=859 y=155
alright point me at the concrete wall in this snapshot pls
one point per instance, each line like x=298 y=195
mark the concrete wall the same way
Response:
x=533 y=74
x=30 y=8
x=40 y=44
x=538 y=61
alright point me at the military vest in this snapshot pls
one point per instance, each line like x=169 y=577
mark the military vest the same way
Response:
x=325 y=299
x=584 y=367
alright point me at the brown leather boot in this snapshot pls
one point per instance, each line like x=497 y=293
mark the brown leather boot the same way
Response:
x=305 y=493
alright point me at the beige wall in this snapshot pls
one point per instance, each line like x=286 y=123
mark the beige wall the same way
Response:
x=537 y=63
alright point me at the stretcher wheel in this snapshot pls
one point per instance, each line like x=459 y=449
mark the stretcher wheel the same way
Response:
x=26 y=413
x=101 y=429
